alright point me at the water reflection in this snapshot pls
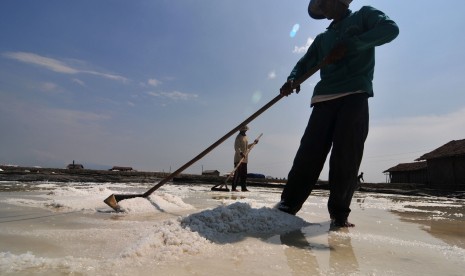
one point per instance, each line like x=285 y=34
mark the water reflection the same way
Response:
x=302 y=261
x=342 y=260
x=446 y=227
x=300 y=257
x=442 y=218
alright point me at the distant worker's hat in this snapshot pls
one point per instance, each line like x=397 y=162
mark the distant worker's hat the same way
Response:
x=314 y=8
x=244 y=128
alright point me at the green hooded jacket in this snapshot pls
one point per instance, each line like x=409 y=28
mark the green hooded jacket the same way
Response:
x=361 y=31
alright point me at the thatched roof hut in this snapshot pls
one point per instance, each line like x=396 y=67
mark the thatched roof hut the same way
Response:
x=446 y=165
x=415 y=172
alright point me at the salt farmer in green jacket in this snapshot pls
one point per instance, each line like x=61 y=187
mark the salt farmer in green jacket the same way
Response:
x=339 y=120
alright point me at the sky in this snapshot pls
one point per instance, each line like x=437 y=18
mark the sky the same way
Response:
x=151 y=84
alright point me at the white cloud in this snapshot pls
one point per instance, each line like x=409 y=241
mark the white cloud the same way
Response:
x=47 y=133
x=175 y=95
x=153 y=82
x=35 y=115
x=49 y=63
x=422 y=129
x=80 y=82
x=303 y=49
x=107 y=76
x=69 y=116
x=48 y=86
x=57 y=65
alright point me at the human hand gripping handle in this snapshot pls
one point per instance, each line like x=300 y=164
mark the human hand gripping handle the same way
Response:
x=288 y=87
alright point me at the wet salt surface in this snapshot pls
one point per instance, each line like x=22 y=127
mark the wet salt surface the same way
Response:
x=55 y=229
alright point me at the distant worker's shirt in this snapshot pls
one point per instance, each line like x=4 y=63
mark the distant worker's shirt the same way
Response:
x=241 y=144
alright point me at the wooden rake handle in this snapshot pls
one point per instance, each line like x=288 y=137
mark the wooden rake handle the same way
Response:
x=234 y=130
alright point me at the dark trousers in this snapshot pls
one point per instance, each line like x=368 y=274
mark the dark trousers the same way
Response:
x=240 y=176
x=339 y=125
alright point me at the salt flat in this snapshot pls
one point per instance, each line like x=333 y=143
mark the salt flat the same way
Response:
x=65 y=228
